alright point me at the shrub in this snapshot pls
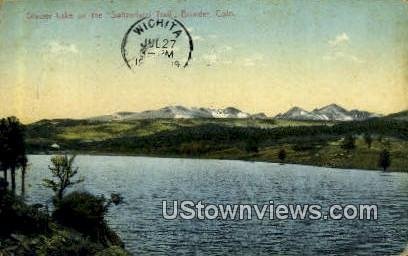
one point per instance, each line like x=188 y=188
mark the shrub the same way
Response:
x=81 y=211
x=302 y=147
x=349 y=142
x=86 y=213
x=194 y=148
x=16 y=216
x=282 y=155
x=368 y=139
x=66 y=243
x=251 y=145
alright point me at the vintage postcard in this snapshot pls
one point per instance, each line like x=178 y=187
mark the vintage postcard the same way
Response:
x=192 y=127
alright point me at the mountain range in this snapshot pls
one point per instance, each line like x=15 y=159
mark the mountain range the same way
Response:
x=330 y=112
x=180 y=112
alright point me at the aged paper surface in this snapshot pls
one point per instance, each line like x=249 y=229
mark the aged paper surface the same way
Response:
x=175 y=110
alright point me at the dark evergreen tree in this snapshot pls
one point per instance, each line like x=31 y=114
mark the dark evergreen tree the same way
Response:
x=282 y=155
x=12 y=147
x=349 y=142
x=368 y=139
x=251 y=145
x=384 y=160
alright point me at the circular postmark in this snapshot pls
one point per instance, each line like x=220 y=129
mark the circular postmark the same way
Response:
x=157 y=39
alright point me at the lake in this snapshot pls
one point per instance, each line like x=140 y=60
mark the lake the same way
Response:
x=144 y=182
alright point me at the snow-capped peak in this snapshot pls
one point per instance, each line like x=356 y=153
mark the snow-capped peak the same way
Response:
x=179 y=112
x=332 y=112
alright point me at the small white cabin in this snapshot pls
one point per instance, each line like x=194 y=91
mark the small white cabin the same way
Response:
x=55 y=146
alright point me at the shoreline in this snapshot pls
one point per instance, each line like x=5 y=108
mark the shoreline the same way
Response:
x=208 y=158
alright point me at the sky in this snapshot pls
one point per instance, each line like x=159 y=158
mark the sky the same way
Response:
x=267 y=57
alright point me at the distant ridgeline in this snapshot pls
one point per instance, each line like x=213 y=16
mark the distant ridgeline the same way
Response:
x=230 y=138
x=330 y=112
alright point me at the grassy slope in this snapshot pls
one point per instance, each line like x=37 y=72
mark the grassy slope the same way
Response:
x=330 y=155
x=165 y=137
x=403 y=115
x=51 y=131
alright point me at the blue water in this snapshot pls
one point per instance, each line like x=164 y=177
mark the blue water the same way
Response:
x=145 y=182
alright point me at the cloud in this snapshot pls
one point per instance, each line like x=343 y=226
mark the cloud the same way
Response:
x=220 y=55
x=62 y=48
x=253 y=60
x=213 y=58
x=219 y=58
x=336 y=55
x=248 y=62
x=340 y=39
x=340 y=49
x=227 y=48
x=197 y=38
x=210 y=58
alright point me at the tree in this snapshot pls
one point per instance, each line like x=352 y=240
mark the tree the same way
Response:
x=3 y=187
x=349 y=142
x=17 y=148
x=384 y=160
x=3 y=147
x=23 y=162
x=251 y=145
x=63 y=171
x=12 y=147
x=368 y=139
x=282 y=155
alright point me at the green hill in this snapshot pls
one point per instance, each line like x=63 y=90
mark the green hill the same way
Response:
x=306 y=142
x=403 y=115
